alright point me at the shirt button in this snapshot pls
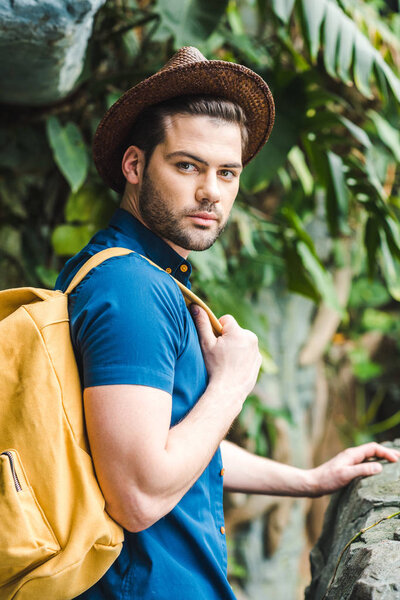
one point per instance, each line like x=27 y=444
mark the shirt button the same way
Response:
x=222 y=472
x=222 y=530
x=184 y=268
x=168 y=269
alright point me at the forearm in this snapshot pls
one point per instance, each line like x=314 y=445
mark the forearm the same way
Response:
x=248 y=473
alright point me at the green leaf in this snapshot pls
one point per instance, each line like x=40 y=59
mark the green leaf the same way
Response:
x=371 y=241
x=47 y=276
x=390 y=268
x=245 y=231
x=366 y=293
x=298 y=280
x=298 y=162
x=283 y=9
x=257 y=175
x=338 y=180
x=373 y=171
x=10 y=240
x=111 y=98
x=69 y=151
x=388 y=134
x=391 y=78
x=247 y=48
x=314 y=11
x=211 y=263
x=298 y=226
x=319 y=97
x=356 y=131
x=79 y=207
x=331 y=33
x=131 y=43
x=234 y=19
x=67 y=240
x=392 y=231
x=321 y=278
x=91 y=204
x=337 y=193
x=363 y=63
x=367 y=15
x=363 y=367
x=344 y=46
x=268 y=365
x=191 y=21
x=377 y=320
x=345 y=54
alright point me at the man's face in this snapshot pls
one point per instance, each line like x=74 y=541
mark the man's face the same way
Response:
x=191 y=181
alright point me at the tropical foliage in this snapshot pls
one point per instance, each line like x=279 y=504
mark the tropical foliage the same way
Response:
x=331 y=66
x=322 y=196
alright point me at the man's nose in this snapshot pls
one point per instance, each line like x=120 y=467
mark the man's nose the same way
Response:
x=208 y=189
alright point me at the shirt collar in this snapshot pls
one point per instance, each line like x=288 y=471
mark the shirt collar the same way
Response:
x=146 y=242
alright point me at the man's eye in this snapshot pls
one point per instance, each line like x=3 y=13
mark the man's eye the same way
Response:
x=185 y=166
x=228 y=174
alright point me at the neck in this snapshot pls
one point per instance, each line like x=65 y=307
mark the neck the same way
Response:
x=131 y=205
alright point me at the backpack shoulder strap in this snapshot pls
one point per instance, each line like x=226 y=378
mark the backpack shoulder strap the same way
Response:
x=97 y=259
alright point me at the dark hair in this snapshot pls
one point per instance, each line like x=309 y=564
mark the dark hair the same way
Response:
x=149 y=128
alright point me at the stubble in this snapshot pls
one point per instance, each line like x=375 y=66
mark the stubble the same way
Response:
x=159 y=215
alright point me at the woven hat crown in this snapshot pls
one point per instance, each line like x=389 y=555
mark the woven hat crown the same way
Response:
x=184 y=56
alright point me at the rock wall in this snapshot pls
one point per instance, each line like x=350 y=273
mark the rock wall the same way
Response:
x=42 y=47
x=370 y=567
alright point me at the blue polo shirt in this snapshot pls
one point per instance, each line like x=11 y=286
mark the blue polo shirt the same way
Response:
x=130 y=325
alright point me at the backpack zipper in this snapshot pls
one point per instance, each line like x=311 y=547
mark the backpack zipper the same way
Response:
x=17 y=484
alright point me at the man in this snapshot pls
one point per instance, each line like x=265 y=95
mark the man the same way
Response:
x=160 y=389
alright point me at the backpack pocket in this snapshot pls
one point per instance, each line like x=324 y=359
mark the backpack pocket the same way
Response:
x=26 y=538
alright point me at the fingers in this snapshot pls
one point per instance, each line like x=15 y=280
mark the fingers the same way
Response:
x=361 y=470
x=228 y=323
x=345 y=466
x=383 y=452
x=203 y=326
x=231 y=326
x=370 y=450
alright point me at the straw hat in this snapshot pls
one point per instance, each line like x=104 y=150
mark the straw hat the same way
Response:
x=187 y=72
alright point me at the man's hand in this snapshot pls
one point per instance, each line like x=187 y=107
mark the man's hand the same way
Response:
x=232 y=360
x=345 y=466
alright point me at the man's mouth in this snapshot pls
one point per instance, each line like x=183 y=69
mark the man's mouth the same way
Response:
x=203 y=218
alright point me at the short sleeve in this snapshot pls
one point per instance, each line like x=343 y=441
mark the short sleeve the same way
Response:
x=127 y=324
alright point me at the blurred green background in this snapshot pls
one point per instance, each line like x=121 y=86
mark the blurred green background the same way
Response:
x=310 y=259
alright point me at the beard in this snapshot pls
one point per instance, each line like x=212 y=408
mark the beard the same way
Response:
x=157 y=211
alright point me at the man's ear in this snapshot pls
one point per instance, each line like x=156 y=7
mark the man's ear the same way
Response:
x=133 y=164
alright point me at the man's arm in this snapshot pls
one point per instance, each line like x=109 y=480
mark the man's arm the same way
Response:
x=144 y=467
x=246 y=472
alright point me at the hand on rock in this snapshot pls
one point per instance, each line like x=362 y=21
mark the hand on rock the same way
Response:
x=351 y=463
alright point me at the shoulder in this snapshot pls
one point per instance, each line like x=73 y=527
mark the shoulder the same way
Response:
x=128 y=273
x=128 y=284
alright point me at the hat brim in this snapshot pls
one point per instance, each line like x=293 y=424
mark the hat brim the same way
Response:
x=217 y=78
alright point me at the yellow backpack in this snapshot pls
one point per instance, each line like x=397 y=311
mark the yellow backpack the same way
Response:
x=56 y=540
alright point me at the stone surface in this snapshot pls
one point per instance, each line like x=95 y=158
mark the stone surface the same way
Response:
x=370 y=567
x=42 y=47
